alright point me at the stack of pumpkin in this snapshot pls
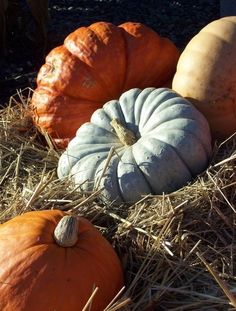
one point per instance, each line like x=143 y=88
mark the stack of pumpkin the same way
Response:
x=105 y=97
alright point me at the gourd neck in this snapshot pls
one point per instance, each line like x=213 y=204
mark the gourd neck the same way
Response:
x=66 y=231
x=125 y=136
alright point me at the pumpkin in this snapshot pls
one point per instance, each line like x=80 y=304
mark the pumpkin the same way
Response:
x=53 y=261
x=206 y=75
x=96 y=64
x=148 y=141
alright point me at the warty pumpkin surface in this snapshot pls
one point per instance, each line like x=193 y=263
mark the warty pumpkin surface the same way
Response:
x=96 y=64
x=165 y=143
x=206 y=75
x=37 y=274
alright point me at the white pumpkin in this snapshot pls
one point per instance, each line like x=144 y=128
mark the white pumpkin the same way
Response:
x=168 y=144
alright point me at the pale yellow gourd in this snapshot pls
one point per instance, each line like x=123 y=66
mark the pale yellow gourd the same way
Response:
x=206 y=75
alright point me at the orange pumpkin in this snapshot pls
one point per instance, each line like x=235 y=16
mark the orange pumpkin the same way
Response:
x=38 y=274
x=94 y=65
x=206 y=75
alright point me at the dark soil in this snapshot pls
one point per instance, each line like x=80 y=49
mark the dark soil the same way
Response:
x=177 y=20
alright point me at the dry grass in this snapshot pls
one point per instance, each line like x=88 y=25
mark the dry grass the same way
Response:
x=178 y=250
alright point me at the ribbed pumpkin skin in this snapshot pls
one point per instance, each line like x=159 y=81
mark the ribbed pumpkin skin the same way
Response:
x=206 y=75
x=36 y=274
x=96 y=64
x=173 y=145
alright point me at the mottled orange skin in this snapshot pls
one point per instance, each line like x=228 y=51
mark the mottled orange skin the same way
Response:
x=94 y=65
x=36 y=274
x=206 y=75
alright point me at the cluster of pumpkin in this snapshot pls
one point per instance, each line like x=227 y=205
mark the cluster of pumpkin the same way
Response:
x=106 y=96
x=129 y=68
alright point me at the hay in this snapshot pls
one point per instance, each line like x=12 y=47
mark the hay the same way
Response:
x=178 y=250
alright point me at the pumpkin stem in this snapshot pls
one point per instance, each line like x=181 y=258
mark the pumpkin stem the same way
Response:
x=125 y=136
x=66 y=231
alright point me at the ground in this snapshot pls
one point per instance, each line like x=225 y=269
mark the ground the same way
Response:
x=177 y=20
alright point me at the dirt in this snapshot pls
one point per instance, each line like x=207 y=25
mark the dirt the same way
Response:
x=177 y=20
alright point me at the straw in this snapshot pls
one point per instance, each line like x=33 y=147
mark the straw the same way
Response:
x=158 y=239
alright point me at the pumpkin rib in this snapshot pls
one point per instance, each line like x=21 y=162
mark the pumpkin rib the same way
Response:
x=134 y=183
x=163 y=52
x=151 y=63
x=215 y=34
x=207 y=151
x=138 y=105
x=87 y=175
x=97 y=149
x=55 y=94
x=114 y=162
x=64 y=72
x=208 y=34
x=155 y=126
x=172 y=102
x=198 y=138
x=94 y=60
x=166 y=179
x=123 y=83
x=156 y=95
x=167 y=96
x=125 y=108
x=68 y=157
x=182 y=70
x=104 y=133
x=173 y=115
x=156 y=109
x=120 y=116
x=80 y=98
x=179 y=155
x=104 y=83
x=128 y=59
x=109 y=142
x=100 y=118
x=145 y=107
x=73 y=38
x=113 y=110
x=148 y=183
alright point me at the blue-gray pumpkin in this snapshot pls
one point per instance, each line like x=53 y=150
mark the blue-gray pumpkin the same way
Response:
x=156 y=140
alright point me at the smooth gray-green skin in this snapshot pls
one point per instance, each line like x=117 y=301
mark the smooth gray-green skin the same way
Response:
x=173 y=146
